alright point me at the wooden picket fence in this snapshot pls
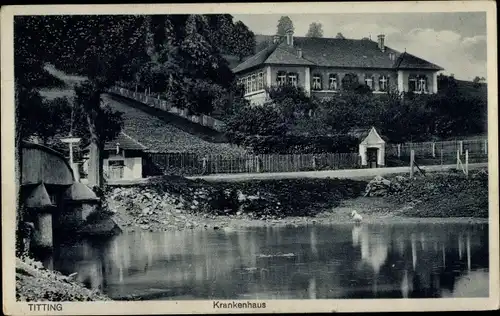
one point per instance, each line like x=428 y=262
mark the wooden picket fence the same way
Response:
x=194 y=164
x=437 y=153
x=435 y=149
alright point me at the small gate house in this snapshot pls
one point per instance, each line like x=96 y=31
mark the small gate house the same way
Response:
x=122 y=158
x=371 y=147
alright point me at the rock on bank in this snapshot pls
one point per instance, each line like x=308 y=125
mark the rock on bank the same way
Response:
x=176 y=203
x=36 y=284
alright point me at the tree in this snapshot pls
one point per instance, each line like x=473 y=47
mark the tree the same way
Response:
x=284 y=24
x=315 y=30
x=339 y=36
x=478 y=81
x=244 y=44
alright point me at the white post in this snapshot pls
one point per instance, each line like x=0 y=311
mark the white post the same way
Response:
x=485 y=147
x=268 y=77
x=307 y=83
x=461 y=147
x=434 y=83
x=412 y=160
x=433 y=149
x=467 y=163
x=400 y=81
x=399 y=150
x=71 y=154
x=458 y=158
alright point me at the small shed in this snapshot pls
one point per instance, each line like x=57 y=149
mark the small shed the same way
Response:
x=371 y=147
x=122 y=158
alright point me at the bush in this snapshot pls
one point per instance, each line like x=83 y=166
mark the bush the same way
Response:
x=299 y=144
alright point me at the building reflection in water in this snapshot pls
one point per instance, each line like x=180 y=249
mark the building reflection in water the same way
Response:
x=313 y=262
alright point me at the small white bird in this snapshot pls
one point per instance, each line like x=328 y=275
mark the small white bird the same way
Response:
x=357 y=218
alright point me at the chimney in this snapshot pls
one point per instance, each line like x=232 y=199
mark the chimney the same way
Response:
x=276 y=38
x=299 y=52
x=381 y=44
x=289 y=37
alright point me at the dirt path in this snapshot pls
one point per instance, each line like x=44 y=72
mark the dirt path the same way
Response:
x=349 y=174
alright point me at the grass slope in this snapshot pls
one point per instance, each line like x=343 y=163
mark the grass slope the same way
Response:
x=161 y=136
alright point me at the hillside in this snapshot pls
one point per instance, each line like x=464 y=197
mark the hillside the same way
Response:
x=161 y=136
x=468 y=88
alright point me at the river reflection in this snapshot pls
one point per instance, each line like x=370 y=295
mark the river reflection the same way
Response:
x=313 y=262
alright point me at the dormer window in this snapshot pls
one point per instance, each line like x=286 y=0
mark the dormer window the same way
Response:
x=316 y=84
x=392 y=56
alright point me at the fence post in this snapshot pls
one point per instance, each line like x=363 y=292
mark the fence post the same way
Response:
x=441 y=156
x=433 y=150
x=485 y=146
x=412 y=160
x=458 y=158
x=204 y=165
x=467 y=163
x=461 y=147
x=399 y=150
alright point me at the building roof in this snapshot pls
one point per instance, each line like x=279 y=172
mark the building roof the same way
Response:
x=124 y=142
x=367 y=135
x=38 y=198
x=79 y=192
x=372 y=138
x=335 y=52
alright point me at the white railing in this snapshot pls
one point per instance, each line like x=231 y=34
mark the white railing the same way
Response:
x=156 y=101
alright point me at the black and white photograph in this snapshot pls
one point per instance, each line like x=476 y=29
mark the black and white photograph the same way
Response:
x=218 y=159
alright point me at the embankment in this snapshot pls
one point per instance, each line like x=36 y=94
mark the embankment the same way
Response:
x=173 y=203
x=36 y=284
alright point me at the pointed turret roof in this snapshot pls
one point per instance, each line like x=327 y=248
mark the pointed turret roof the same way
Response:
x=38 y=198
x=79 y=192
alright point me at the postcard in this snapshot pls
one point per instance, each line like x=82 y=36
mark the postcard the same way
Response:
x=249 y=158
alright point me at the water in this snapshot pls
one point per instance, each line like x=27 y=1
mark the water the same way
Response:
x=311 y=262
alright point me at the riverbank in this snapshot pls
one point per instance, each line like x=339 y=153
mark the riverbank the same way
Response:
x=175 y=203
x=37 y=284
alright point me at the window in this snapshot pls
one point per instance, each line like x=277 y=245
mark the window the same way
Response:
x=249 y=84
x=369 y=81
x=412 y=83
x=422 y=84
x=417 y=83
x=383 y=83
x=253 y=83
x=281 y=78
x=316 y=84
x=292 y=79
x=333 y=82
x=260 y=82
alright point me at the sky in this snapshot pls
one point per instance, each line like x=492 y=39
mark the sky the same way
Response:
x=455 y=41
